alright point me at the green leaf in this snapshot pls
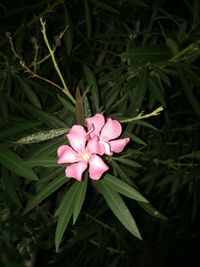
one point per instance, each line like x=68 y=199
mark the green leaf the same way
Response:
x=88 y=20
x=87 y=110
x=66 y=104
x=196 y=12
x=182 y=31
x=162 y=76
x=28 y=91
x=94 y=87
x=119 y=171
x=128 y=162
x=147 y=54
x=152 y=211
x=173 y=46
x=80 y=116
x=123 y=188
x=65 y=209
x=136 y=139
x=42 y=136
x=195 y=154
x=12 y=264
x=80 y=198
x=142 y=87
x=46 y=191
x=138 y=3
x=189 y=93
x=18 y=128
x=104 y=6
x=13 y=162
x=192 y=75
x=146 y=124
x=146 y=206
x=9 y=187
x=44 y=116
x=119 y=208
x=156 y=91
x=68 y=37
x=52 y=162
x=47 y=149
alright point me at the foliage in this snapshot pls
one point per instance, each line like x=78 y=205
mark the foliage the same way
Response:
x=63 y=61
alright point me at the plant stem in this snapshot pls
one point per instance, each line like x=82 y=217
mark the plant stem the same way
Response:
x=51 y=52
x=24 y=66
x=189 y=48
x=141 y=117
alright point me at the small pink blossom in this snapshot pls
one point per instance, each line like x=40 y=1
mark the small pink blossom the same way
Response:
x=106 y=131
x=85 y=147
x=81 y=153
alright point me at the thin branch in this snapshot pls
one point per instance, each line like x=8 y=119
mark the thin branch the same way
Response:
x=26 y=68
x=141 y=117
x=51 y=52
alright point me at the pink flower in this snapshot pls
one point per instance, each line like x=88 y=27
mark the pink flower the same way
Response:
x=85 y=147
x=81 y=153
x=106 y=132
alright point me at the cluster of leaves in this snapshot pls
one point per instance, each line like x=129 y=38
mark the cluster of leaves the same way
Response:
x=127 y=58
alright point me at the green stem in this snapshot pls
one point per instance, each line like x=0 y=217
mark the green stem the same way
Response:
x=189 y=48
x=110 y=249
x=51 y=52
x=174 y=165
x=141 y=117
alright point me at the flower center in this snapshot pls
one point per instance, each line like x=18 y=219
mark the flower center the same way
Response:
x=85 y=156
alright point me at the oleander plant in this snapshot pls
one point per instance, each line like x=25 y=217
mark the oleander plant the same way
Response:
x=99 y=139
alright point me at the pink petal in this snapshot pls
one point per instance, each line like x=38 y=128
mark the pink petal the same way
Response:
x=111 y=130
x=61 y=149
x=77 y=138
x=76 y=170
x=67 y=155
x=95 y=124
x=106 y=148
x=94 y=146
x=96 y=167
x=118 y=145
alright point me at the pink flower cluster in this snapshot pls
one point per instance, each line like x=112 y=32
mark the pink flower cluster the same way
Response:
x=87 y=147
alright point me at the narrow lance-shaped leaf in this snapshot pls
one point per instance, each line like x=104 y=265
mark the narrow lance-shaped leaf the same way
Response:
x=122 y=188
x=146 y=206
x=46 y=191
x=142 y=87
x=88 y=19
x=146 y=124
x=66 y=103
x=147 y=53
x=80 y=116
x=156 y=91
x=136 y=139
x=68 y=37
x=82 y=187
x=65 y=212
x=10 y=187
x=44 y=116
x=152 y=211
x=119 y=208
x=105 y=6
x=42 y=136
x=43 y=162
x=87 y=109
x=46 y=150
x=18 y=128
x=189 y=93
x=15 y=163
x=28 y=91
x=94 y=87
x=128 y=162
